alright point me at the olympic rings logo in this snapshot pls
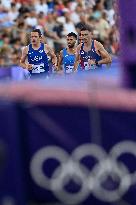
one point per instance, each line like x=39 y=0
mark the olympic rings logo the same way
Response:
x=71 y=167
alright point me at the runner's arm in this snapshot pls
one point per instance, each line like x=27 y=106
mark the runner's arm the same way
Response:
x=77 y=58
x=60 y=58
x=52 y=55
x=23 y=63
x=106 y=58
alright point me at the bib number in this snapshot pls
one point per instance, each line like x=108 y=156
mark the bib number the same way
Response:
x=69 y=68
x=38 y=68
x=88 y=67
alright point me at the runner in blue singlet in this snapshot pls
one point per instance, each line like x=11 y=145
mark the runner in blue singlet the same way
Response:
x=67 y=55
x=90 y=53
x=36 y=56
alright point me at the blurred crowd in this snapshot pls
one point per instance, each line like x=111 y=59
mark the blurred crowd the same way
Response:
x=55 y=18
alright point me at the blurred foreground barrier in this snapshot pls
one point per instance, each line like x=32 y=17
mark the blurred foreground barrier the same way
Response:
x=11 y=175
x=128 y=41
x=77 y=141
x=75 y=157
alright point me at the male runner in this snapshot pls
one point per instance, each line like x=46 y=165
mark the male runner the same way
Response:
x=90 y=53
x=34 y=56
x=67 y=55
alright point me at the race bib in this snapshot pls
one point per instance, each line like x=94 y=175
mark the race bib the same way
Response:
x=38 y=68
x=69 y=68
x=88 y=67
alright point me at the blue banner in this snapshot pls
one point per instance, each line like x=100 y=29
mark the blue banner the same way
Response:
x=78 y=155
x=11 y=166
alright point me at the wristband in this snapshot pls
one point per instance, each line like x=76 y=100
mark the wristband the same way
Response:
x=96 y=63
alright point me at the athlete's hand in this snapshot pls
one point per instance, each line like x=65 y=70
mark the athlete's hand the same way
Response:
x=29 y=66
x=91 y=62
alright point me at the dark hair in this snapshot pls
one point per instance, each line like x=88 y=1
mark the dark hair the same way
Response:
x=86 y=28
x=38 y=31
x=72 y=34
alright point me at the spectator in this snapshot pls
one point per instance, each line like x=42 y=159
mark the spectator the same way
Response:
x=69 y=25
x=57 y=18
x=41 y=6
